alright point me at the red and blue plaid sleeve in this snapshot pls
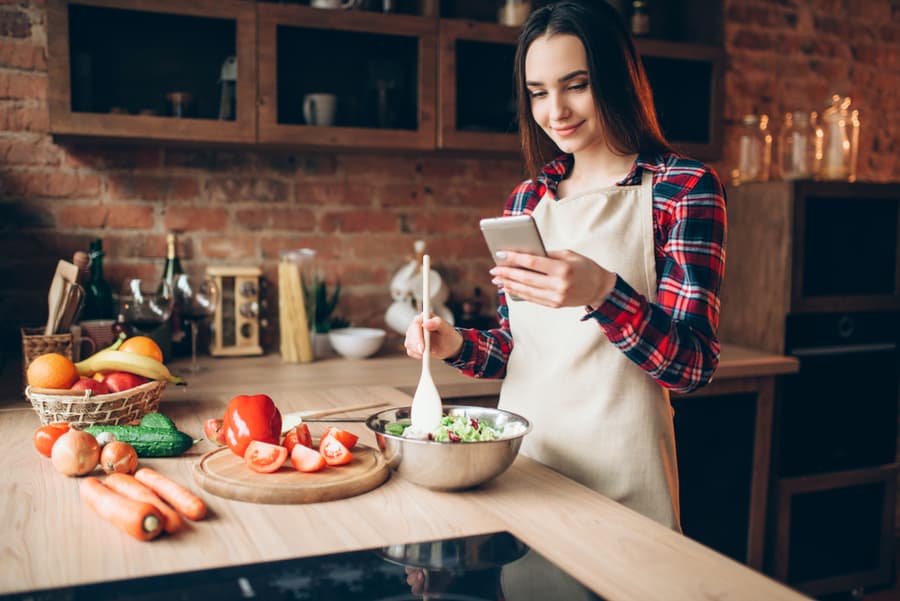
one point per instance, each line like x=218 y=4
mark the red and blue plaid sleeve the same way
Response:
x=674 y=339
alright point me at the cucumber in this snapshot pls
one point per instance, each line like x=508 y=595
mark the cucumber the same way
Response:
x=157 y=420
x=148 y=442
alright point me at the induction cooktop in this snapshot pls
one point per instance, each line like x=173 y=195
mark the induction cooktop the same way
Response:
x=496 y=567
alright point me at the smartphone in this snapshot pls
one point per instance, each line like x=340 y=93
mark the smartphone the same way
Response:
x=518 y=233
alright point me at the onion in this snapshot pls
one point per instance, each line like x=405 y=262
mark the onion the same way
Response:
x=75 y=453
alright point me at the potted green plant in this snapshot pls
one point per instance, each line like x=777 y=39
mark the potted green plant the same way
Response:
x=322 y=315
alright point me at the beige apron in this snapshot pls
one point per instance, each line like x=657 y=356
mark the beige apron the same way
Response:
x=598 y=418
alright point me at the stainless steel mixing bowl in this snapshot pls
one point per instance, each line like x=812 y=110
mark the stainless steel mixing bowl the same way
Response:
x=448 y=465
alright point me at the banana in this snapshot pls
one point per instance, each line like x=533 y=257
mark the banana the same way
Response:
x=113 y=360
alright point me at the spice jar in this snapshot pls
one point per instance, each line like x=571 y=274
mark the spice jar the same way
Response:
x=797 y=146
x=754 y=150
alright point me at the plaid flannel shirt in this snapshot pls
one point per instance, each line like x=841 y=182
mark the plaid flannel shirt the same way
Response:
x=674 y=339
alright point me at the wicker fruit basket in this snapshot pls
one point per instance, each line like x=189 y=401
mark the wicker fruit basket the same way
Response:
x=88 y=409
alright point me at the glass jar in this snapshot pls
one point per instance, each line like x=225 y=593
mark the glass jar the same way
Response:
x=754 y=150
x=839 y=132
x=797 y=146
x=296 y=305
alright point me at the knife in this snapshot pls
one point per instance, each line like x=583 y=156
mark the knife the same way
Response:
x=292 y=420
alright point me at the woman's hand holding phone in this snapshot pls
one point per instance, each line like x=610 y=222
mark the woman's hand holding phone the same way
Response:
x=563 y=278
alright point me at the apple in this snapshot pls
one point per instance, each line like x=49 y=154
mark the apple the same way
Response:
x=91 y=384
x=117 y=381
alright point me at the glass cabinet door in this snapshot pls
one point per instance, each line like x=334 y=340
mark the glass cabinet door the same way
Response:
x=169 y=71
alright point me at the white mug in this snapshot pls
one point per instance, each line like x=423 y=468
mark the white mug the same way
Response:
x=334 y=3
x=319 y=109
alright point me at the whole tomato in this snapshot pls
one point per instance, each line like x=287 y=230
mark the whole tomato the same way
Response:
x=248 y=418
x=45 y=436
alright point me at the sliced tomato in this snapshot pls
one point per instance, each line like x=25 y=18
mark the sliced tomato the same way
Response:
x=348 y=439
x=264 y=457
x=303 y=435
x=334 y=451
x=45 y=436
x=298 y=435
x=306 y=459
x=290 y=441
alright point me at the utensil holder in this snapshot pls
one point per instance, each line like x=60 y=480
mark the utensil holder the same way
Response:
x=35 y=344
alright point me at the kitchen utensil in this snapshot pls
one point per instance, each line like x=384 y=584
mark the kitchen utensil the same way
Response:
x=65 y=272
x=426 y=404
x=448 y=465
x=237 y=318
x=71 y=307
x=223 y=473
x=290 y=420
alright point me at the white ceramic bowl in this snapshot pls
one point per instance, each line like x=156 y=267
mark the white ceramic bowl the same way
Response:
x=356 y=343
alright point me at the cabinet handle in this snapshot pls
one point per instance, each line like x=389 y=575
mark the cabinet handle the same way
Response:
x=847 y=349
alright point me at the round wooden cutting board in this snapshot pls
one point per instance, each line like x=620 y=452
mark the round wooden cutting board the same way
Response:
x=223 y=473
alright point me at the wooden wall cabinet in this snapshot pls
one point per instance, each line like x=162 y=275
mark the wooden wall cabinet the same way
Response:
x=402 y=81
x=814 y=272
x=381 y=68
x=476 y=99
x=111 y=64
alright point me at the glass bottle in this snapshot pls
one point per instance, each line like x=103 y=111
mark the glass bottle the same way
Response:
x=797 y=146
x=640 y=18
x=175 y=333
x=754 y=150
x=98 y=298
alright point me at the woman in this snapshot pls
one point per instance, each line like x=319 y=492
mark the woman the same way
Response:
x=629 y=310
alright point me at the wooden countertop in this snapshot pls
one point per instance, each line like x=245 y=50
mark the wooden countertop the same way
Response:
x=49 y=539
x=389 y=368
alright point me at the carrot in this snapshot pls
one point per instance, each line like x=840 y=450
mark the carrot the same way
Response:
x=131 y=487
x=141 y=520
x=184 y=501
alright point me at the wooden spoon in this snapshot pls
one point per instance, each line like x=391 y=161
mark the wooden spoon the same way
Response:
x=426 y=405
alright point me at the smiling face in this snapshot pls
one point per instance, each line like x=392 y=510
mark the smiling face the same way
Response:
x=559 y=89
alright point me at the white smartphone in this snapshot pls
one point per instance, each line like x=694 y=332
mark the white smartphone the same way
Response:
x=518 y=233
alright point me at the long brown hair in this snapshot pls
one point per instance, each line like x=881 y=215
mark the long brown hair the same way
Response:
x=618 y=82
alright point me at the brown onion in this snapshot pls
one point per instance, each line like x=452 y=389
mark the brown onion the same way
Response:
x=75 y=453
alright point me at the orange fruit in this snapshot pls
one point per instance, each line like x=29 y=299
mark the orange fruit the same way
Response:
x=52 y=370
x=142 y=345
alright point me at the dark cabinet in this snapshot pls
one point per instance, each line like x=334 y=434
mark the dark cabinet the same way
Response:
x=813 y=273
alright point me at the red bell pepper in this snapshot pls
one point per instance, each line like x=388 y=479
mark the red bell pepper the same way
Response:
x=249 y=418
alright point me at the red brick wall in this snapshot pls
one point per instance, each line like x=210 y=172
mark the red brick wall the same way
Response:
x=362 y=211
